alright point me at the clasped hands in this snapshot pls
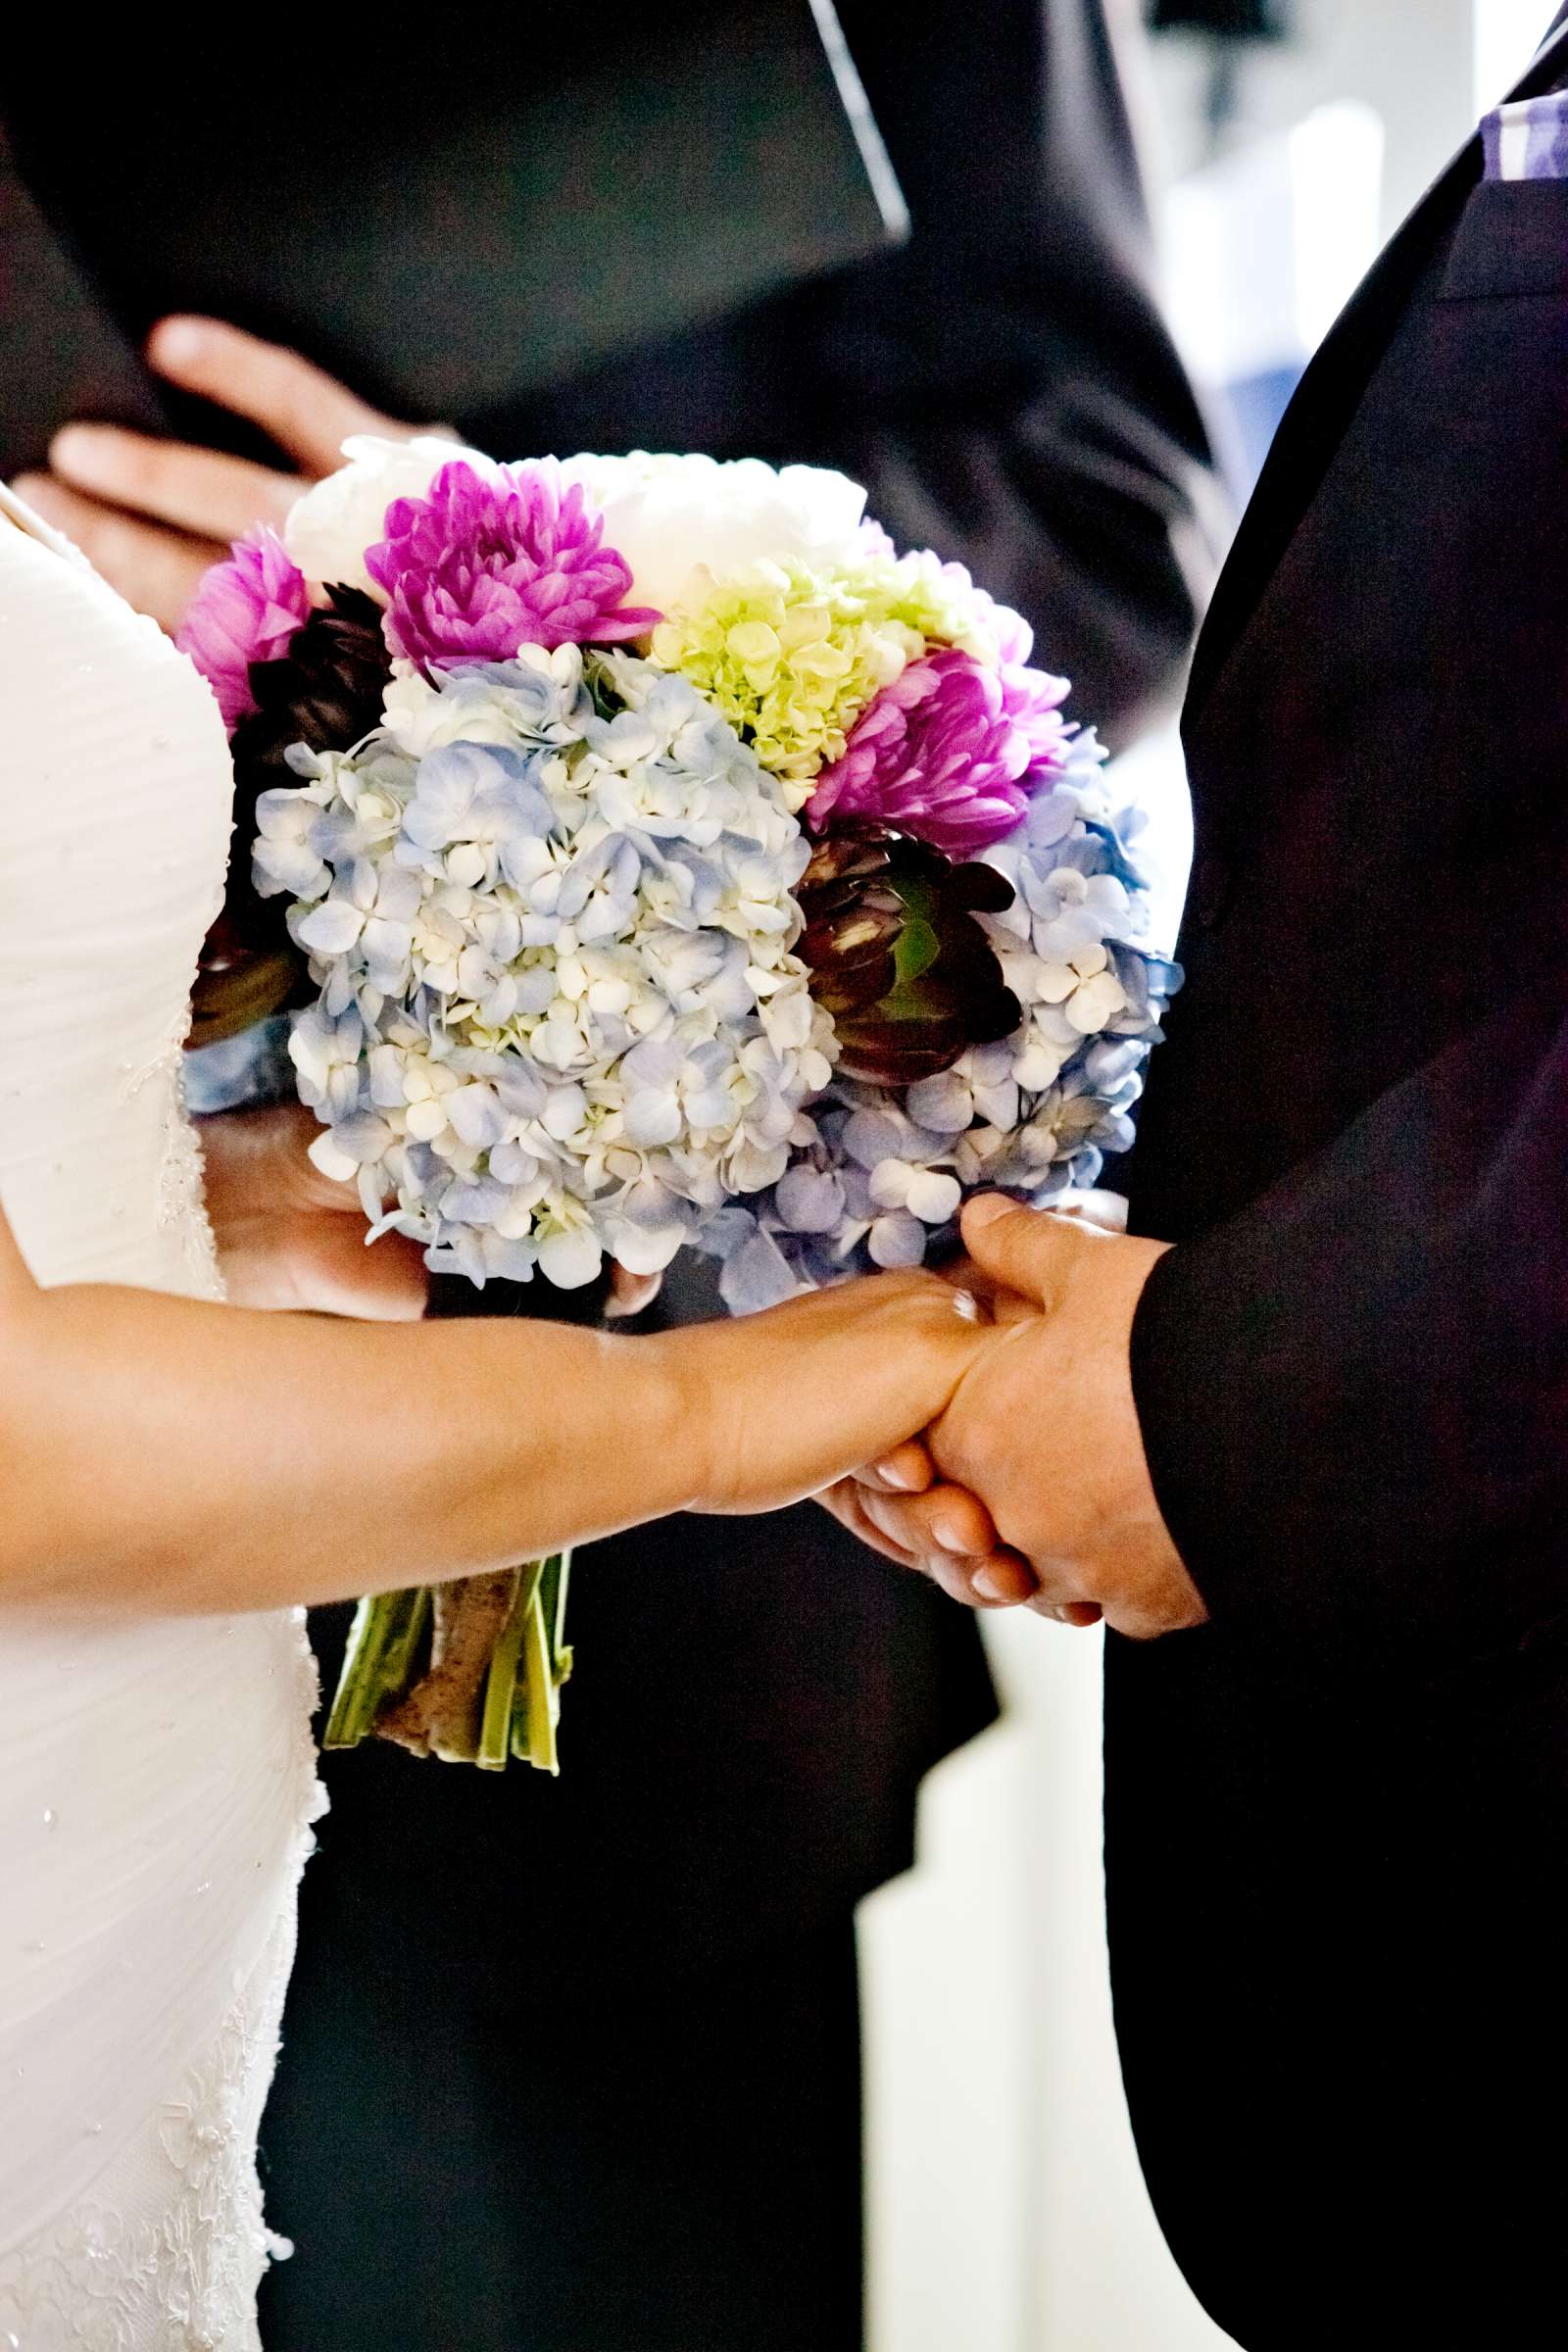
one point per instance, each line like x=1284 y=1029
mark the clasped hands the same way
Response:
x=1031 y=1489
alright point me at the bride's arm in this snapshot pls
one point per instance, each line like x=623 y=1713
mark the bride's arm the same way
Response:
x=164 y=1454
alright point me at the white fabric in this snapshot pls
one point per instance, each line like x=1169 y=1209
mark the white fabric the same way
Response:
x=166 y=2249
x=154 y=1777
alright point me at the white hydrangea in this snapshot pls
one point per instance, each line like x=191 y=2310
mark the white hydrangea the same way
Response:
x=329 y=529
x=669 y=516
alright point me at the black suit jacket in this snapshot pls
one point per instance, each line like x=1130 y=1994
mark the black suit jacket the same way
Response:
x=1337 y=1818
x=755 y=1703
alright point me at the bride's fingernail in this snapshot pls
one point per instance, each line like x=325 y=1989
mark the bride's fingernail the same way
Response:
x=949 y=1536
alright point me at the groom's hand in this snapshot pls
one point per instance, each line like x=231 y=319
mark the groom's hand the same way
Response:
x=152 y=515
x=1045 y=1432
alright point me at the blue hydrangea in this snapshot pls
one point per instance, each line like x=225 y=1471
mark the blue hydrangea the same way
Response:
x=877 y=1180
x=547 y=909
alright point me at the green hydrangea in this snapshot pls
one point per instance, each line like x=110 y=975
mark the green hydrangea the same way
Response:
x=791 y=656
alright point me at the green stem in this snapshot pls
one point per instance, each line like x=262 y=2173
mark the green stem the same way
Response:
x=500 y=1682
x=541 y=1703
x=552 y=1601
x=405 y=1651
x=386 y=1628
x=522 y=1706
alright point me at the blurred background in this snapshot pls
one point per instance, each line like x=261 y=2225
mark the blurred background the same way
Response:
x=1007 y=2210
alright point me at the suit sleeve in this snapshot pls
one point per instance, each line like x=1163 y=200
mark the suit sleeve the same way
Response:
x=1355 y=1393
x=1005 y=384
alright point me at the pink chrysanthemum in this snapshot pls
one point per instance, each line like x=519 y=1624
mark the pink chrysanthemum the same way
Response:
x=951 y=753
x=492 y=559
x=246 y=609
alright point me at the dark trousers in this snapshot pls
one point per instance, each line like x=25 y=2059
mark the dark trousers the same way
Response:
x=488 y=2161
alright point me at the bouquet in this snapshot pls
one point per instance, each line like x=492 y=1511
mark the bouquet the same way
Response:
x=673 y=862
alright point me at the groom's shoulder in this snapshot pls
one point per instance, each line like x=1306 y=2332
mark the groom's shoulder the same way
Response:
x=1439 y=388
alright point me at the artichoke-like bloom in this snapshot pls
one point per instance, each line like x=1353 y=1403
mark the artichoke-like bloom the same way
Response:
x=246 y=609
x=324 y=692
x=950 y=751
x=324 y=689
x=897 y=959
x=493 y=558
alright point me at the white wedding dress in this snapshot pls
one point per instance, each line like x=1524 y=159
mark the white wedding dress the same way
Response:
x=156 y=1776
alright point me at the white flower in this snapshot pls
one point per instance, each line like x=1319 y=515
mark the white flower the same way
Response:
x=569 y=1251
x=926 y=1192
x=668 y=515
x=981 y=1085
x=327 y=530
x=1086 y=987
x=326 y=1053
x=420 y=714
x=286 y=856
x=897 y=1240
x=1043 y=1056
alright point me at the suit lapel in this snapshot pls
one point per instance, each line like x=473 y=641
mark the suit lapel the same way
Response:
x=1330 y=393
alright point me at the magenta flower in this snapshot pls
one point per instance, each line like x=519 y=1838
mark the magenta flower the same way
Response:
x=490 y=561
x=951 y=753
x=246 y=609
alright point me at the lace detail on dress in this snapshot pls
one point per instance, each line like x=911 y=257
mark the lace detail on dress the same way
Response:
x=166 y=2256
x=181 y=1202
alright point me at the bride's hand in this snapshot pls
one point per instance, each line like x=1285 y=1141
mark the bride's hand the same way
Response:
x=293 y=1239
x=782 y=1405
x=288 y=1237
